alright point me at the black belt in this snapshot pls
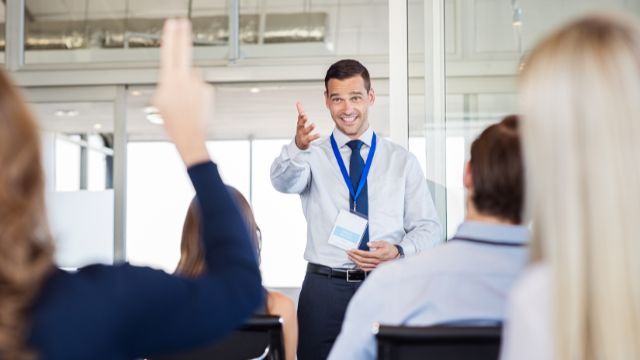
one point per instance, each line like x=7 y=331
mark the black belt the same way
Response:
x=351 y=275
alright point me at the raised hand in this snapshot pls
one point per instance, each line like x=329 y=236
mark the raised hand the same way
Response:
x=304 y=137
x=183 y=99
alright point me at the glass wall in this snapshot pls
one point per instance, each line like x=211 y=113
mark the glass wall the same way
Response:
x=96 y=31
x=89 y=31
x=484 y=44
x=78 y=154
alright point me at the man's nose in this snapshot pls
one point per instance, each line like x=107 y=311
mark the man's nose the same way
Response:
x=347 y=107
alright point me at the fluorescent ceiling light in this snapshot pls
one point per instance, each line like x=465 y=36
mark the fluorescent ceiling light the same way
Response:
x=151 y=110
x=66 y=113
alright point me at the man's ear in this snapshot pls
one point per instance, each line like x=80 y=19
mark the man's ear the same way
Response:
x=372 y=96
x=467 y=177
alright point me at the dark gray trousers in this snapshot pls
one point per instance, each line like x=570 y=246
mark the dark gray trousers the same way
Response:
x=321 y=309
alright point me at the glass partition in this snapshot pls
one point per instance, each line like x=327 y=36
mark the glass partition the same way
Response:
x=485 y=42
x=77 y=140
x=90 y=31
x=302 y=28
x=95 y=31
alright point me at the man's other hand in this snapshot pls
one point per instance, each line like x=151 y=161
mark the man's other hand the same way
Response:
x=379 y=252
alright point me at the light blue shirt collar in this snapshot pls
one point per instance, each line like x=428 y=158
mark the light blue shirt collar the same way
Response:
x=342 y=139
x=516 y=234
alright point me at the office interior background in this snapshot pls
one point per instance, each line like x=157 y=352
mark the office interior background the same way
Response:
x=116 y=190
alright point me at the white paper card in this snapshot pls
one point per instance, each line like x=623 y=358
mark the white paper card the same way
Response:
x=348 y=230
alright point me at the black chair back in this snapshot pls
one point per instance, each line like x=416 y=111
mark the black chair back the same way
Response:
x=438 y=342
x=260 y=338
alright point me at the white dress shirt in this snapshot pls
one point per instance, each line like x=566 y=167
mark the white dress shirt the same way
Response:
x=401 y=209
x=461 y=282
x=527 y=330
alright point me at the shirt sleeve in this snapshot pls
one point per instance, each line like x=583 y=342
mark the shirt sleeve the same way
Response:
x=422 y=227
x=162 y=313
x=526 y=332
x=290 y=173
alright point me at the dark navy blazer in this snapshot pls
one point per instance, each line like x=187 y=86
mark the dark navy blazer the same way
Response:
x=127 y=312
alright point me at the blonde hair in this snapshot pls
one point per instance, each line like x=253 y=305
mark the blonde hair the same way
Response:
x=580 y=93
x=26 y=250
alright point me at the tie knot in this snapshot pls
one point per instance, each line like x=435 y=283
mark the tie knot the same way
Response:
x=355 y=144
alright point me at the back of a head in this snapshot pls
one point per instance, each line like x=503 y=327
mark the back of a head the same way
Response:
x=26 y=253
x=192 y=261
x=581 y=136
x=496 y=168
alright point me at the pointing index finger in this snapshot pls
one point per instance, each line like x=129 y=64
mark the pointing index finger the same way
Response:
x=167 y=47
x=184 y=48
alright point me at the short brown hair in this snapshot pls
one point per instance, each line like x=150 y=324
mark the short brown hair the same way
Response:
x=346 y=69
x=497 y=171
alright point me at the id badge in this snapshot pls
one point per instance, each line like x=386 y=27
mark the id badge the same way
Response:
x=348 y=230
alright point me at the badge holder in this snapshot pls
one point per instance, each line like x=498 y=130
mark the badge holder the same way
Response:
x=348 y=230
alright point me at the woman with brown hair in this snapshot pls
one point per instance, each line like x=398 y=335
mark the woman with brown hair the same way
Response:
x=192 y=264
x=122 y=311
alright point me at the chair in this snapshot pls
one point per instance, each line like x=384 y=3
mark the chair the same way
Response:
x=438 y=342
x=260 y=338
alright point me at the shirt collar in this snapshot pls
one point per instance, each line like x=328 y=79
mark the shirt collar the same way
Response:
x=342 y=139
x=516 y=234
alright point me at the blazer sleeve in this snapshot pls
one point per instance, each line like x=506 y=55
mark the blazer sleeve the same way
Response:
x=162 y=313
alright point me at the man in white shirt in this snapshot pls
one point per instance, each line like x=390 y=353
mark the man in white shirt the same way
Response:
x=465 y=281
x=383 y=184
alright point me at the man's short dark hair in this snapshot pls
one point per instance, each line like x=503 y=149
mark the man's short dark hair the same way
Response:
x=346 y=69
x=498 y=172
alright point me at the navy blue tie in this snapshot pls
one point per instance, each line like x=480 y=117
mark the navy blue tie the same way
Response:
x=356 y=166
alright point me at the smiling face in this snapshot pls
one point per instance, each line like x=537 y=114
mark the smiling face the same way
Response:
x=348 y=102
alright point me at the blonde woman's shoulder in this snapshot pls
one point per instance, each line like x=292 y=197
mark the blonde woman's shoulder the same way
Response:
x=527 y=327
x=533 y=284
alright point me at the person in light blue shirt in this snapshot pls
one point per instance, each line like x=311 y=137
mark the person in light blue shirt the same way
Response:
x=464 y=281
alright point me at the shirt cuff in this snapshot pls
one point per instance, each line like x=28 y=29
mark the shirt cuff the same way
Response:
x=408 y=248
x=293 y=150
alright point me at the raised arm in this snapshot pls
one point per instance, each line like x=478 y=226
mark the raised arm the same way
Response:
x=163 y=313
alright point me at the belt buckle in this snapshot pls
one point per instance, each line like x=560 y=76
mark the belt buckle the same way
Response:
x=349 y=271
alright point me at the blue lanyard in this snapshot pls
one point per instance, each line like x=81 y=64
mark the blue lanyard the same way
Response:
x=343 y=169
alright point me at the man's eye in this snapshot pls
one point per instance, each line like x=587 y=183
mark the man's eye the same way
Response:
x=336 y=100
